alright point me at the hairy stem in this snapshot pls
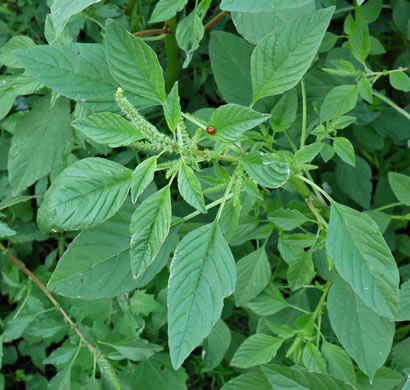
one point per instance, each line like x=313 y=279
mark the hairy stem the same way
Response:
x=391 y=103
x=304 y=114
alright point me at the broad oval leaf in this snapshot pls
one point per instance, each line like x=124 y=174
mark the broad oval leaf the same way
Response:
x=96 y=263
x=85 y=194
x=41 y=141
x=344 y=149
x=299 y=378
x=190 y=32
x=363 y=259
x=253 y=6
x=7 y=57
x=231 y=120
x=400 y=184
x=264 y=171
x=166 y=9
x=202 y=275
x=78 y=71
x=256 y=349
x=339 y=101
x=284 y=112
x=281 y=59
x=108 y=129
x=190 y=188
x=368 y=345
x=133 y=63
x=253 y=275
x=149 y=228
x=231 y=63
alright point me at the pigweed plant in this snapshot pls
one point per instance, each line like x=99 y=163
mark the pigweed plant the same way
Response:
x=204 y=194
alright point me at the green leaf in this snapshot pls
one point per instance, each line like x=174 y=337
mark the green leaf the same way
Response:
x=166 y=9
x=133 y=349
x=108 y=129
x=78 y=71
x=19 y=199
x=231 y=66
x=62 y=381
x=385 y=378
x=301 y=270
x=254 y=26
x=42 y=139
x=299 y=378
x=216 y=345
x=355 y=181
x=62 y=10
x=308 y=152
x=172 y=108
x=85 y=194
x=253 y=6
x=338 y=362
x=253 y=275
x=363 y=259
x=149 y=228
x=256 y=349
x=61 y=355
x=281 y=59
x=144 y=304
x=404 y=302
x=344 y=149
x=269 y=302
x=400 y=184
x=284 y=112
x=360 y=42
x=312 y=359
x=339 y=101
x=232 y=120
x=5 y=230
x=365 y=89
x=156 y=373
x=133 y=64
x=96 y=263
x=400 y=81
x=264 y=171
x=7 y=57
x=190 y=188
x=202 y=263
x=253 y=380
x=369 y=345
x=190 y=32
x=287 y=219
x=142 y=176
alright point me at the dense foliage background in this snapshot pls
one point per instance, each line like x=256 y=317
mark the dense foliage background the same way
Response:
x=278 y=132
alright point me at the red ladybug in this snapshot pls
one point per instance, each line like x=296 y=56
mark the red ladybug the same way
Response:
x=211 y=130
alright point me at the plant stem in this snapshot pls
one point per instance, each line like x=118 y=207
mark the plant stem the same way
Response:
x=156 y=38
x=225 y=198
x=391 y=103
x=152 y=32
x=215 y=20
x=34 y=278
x=387 y=72
x=388 y=206
x=130 y=6
x=304 y=114
x=193 y=120
x=172 y=55
x=195 y=213
x=313 y=185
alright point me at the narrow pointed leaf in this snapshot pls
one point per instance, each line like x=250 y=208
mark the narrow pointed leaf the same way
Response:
x=108 y=129
x=149 y=228
x=172 y=108
x=255 y=350
x=85 y=194
x=133 y=63
x=190 y=188
x=142 y=177
x=202 y=274
x=363 y=259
